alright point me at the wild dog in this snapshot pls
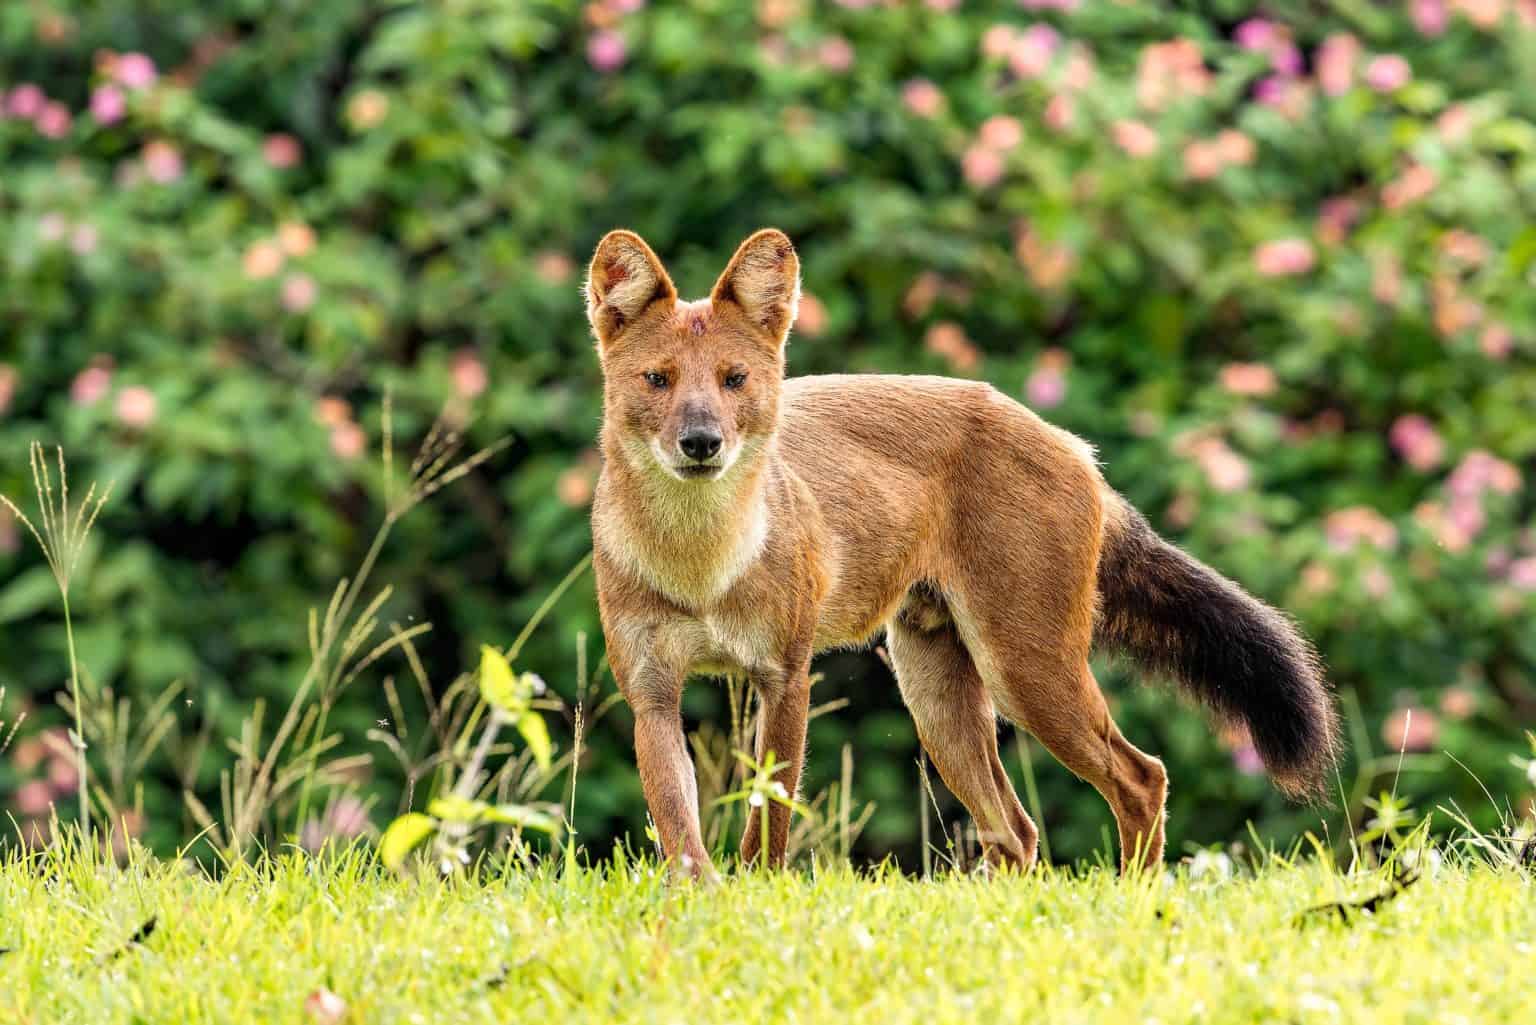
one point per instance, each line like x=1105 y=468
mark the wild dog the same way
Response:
x=744 y=522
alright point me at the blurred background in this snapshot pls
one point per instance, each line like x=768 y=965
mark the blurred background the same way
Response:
x=1274 y=260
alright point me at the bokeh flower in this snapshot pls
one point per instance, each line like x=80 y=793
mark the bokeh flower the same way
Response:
x=922 y=98
x=263 y=258
x=1284 y=257
x=1136 y=138
x=134 y=70
x=295 y=238
x=948 y=340
x=810 y=316
x=553 y=267
x=8 y=378
x=1417 y=441
x=1030 y=51
x=1388 y=73
x=1414 y=184
x=469 y=375
x=981 y=166
x=1413 y=728
x=91 y=384
x=1429 y=16
x=835 y=54
x=1348 y=528
x=1335 y=61
x=348 y=440
x=135 y=407
x=366 y=109
x=281 y=150
x=54 y=120
x=162 y=161
x=606 y=51
x=1000 y=132
x=108 y=104
x=1046 y=386
x=25 y=101
x=1248 y=379
x=298 y=292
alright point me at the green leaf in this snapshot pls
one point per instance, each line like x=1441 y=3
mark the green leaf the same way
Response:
x=531 y=725
x=459 y=809
x=403 y=836
x=28 y=594
x=500 y=688
x=523 y=817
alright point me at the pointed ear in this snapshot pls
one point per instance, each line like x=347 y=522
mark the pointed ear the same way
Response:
x=624 y=279
x=763 y=278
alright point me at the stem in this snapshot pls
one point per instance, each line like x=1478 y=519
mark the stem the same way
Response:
x=74 y=688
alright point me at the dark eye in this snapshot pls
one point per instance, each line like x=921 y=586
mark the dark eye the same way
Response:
x=735 y=379
x=656 y=379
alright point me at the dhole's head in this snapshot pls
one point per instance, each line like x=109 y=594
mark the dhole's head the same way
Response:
x=691 y=389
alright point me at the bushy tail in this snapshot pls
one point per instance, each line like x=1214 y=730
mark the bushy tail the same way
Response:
x=1241 y=658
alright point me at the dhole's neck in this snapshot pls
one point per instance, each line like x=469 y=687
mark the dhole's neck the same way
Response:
x=691 y=540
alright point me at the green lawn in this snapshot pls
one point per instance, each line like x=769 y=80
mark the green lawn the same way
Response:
x=619 y=944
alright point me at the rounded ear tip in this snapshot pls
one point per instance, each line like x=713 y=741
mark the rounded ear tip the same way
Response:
x=771 y=235
x=619 y=236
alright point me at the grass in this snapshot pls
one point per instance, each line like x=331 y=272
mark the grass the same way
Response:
x=618 y=943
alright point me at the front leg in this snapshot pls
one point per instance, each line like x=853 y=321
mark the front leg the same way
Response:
x=666 y=771
x=785 y=707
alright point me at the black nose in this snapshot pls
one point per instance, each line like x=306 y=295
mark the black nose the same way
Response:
x=700 y=443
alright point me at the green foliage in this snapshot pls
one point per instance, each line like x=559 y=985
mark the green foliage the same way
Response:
x=1288 y=299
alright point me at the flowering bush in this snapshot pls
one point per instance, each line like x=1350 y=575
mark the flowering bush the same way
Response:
x=1272 y=263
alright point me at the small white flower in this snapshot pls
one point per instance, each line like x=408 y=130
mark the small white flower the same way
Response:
x=755 y=799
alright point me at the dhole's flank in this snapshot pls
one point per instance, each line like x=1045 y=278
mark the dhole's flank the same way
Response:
x=744 y=522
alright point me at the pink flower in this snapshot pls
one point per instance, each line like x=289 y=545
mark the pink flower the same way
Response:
x=1247 y=761
x=263 y=258
x=7 y=386
x=1250 y=379
x=1411 y=729
x=1335 y=60
x=52 y=226
x=1417 y=441
x=1496 y=341
x=1202 y=160
x=606 y=51
x=948 y=340
x=1414 y=184
x=922 y=98
x=1046 y=386
x=1031 y=52
x=1458 y=702
x=1347 y=528
x=1001 y=133
x=1170 y=71
x=108 y=104
x=1256 y=34
x=134 y=70
x=26 y=101
x=1235 y=148
x=1387 y=73
x=82 y=241
x=1135 y=138
x=370 y=106
x=468 y=372
x=90 y=384
x=162 y=161
x=1060 y=112
x=348 y=440
x=553 y=267
x=835 y=54
x=810 y=315
x=981 y=166
x=34 y=797
x=997 y=41
x=1480 y=471
x=54 y=120
x=1335 y=219
x=281 y=151
x=1290 y=97
x=1284 y=257
x=136 y=407
x=1454 y=123
x=296 y=238
x=298 y=292
x=1522 y=573
x=1429 y=16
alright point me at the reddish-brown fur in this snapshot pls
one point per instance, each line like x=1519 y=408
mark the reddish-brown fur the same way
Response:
x=938 y=510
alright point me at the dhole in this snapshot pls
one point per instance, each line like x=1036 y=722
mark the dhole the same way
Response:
x=743 y=523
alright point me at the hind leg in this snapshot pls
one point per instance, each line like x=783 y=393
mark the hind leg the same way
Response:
x=957 y=725
x=1065 y=710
